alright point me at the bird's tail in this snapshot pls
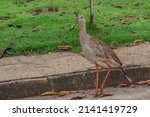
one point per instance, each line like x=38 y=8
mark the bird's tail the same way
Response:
x=124 y=73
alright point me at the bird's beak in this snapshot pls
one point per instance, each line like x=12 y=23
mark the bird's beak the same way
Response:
x=77 y=15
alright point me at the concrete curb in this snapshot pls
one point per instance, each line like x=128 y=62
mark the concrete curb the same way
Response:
x=70 y=81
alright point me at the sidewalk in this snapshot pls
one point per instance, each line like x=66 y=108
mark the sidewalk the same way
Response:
x=31 y=75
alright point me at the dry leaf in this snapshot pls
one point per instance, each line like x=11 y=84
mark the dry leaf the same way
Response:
x=64 y=48
x=9 y=46
x=144 y=82
x=78 y=97
x=137 y=42
x=70 y=92
x=126 y=85
x=49 y=93
x=103 y=95
x=67 y=92
x=131 y=16
x=61 y=93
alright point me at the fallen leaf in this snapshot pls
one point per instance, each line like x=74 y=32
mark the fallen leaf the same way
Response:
x=126 y=85
x=137 y=42
x=49 y=93
x=131 y=16
x=35 y=30
x=9 y=46
x=103 y=95
x=144 y=82
x=78 y=97
x=64 y=48
x=70 y=92
x=67 y=92
x=61 y=93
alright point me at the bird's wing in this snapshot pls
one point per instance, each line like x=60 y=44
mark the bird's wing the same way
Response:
x=103 y=50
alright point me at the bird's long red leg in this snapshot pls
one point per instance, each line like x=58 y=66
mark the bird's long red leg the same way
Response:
x=97 y=77
x=104 y=81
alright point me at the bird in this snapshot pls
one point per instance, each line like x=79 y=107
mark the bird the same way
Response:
x=96 y=51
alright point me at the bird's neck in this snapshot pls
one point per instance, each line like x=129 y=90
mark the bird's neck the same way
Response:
x=83 y=32
x=83 y=28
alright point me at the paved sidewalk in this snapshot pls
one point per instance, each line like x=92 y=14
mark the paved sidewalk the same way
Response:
x=23 y=76
x=24 y=67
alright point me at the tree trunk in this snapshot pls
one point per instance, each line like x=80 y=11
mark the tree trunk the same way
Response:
x=53 y=8
x=91 y=13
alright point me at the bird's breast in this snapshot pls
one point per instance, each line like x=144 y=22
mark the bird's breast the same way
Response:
x=88 y=53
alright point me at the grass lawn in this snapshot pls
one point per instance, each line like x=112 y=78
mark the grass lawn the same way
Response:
x=116 y=22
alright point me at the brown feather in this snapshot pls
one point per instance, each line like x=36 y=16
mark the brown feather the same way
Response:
x=103 y=50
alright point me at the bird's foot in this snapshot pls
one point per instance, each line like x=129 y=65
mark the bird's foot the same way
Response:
x=103 y=95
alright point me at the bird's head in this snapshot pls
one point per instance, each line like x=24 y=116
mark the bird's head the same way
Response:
x=80 y=18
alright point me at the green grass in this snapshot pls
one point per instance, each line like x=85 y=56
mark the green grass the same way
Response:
x=45 y=32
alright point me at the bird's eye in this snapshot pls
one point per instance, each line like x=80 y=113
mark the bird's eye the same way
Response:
x=82 y=17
